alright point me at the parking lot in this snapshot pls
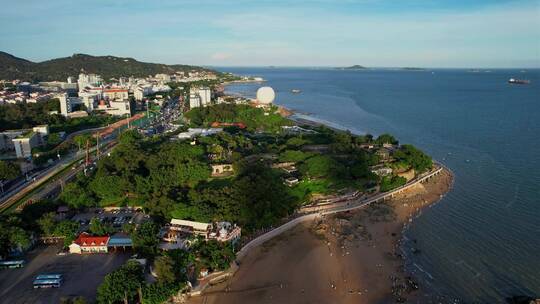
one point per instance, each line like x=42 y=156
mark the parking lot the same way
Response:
x=116 y=217
x=82 y=275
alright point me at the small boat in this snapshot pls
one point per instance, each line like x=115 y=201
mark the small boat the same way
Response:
x=296 y=91
x=518 y=81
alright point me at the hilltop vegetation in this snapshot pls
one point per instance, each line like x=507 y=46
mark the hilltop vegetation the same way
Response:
x=28 y=115
x=173 y=179
x=108 y=67
x=255 y=119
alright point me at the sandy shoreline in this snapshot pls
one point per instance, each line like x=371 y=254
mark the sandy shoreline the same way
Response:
x=350 y=257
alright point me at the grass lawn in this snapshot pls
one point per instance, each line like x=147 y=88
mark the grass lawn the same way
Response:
x=305 y=188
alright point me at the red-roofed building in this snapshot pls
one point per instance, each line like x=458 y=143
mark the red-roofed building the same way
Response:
x=86 y=243
x=217 y=124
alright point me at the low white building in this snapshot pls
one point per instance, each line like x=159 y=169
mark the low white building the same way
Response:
x=89 y=99
x=141 y=91
x=119 y=94
x=193 y=132
x=6 y=139
x=222 y=169
x=381 y=170
x=89 y=244
x=115 y=107
x=29 y=139
x=180 y=230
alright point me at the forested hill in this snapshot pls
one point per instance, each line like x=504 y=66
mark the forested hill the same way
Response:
x=12 y=67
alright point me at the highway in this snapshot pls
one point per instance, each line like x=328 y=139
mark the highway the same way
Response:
x=50 y=181
x=14 y=195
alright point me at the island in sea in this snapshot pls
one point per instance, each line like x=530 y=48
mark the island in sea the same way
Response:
x=353 y=67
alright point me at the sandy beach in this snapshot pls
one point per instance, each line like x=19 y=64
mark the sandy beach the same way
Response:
x=350 y=257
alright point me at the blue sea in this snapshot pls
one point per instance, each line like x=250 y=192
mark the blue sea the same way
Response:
x=481 y=242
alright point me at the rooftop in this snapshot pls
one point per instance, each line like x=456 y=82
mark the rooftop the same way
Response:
x=26 y=134
x=195 y=225
x=85 y=239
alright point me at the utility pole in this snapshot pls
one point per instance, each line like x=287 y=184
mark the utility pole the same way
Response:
x=87 y=152
x=97 y=146
x=147 y=109
x=129 y=118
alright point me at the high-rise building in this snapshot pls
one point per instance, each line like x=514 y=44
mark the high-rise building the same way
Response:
x=88 y=80
x=65 y=105
x=199 y=97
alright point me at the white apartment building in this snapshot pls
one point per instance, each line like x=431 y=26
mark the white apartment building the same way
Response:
x=163 y=77
x=24 y=144
x=29 y=139
x=65 y=104
x=88 y=80
x=194 y=101
x=6 y=139
x=115 y=107
x=140 y=91
x=199 y=97
x=116 y=94
x=88 y=99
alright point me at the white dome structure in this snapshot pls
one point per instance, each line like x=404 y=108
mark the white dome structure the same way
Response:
x=266 y=95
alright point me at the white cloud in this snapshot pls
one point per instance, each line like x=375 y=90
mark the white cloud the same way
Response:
x=220 y=56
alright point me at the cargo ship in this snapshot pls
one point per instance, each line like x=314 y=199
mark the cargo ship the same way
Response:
x=518 y=81
x=296 y=91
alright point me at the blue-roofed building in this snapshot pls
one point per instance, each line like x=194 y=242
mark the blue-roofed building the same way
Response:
x=120 y=240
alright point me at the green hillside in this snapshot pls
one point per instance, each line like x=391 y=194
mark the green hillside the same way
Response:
x=12 y=67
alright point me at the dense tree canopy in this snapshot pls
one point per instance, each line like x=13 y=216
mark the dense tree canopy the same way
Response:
x=386 y=139
x=65 y=228
x=413 y=157
x=253 y=118
x=99 y=228
x=145 y=240
x=8 y=170
x=28 y=115
x=164 y=268
x=121 y=285
x=391 y=182
x=12 y=235
x=213 y=255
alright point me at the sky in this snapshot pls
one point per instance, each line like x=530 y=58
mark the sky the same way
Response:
x=373 y=33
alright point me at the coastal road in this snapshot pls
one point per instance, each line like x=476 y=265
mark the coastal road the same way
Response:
x=19 y=192
x=15 y=195
x=54 y=186
x=43 y=178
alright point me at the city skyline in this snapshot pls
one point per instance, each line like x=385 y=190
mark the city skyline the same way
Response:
x=375 y=33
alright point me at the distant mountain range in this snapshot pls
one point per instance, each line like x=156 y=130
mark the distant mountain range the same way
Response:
x=12 y=67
